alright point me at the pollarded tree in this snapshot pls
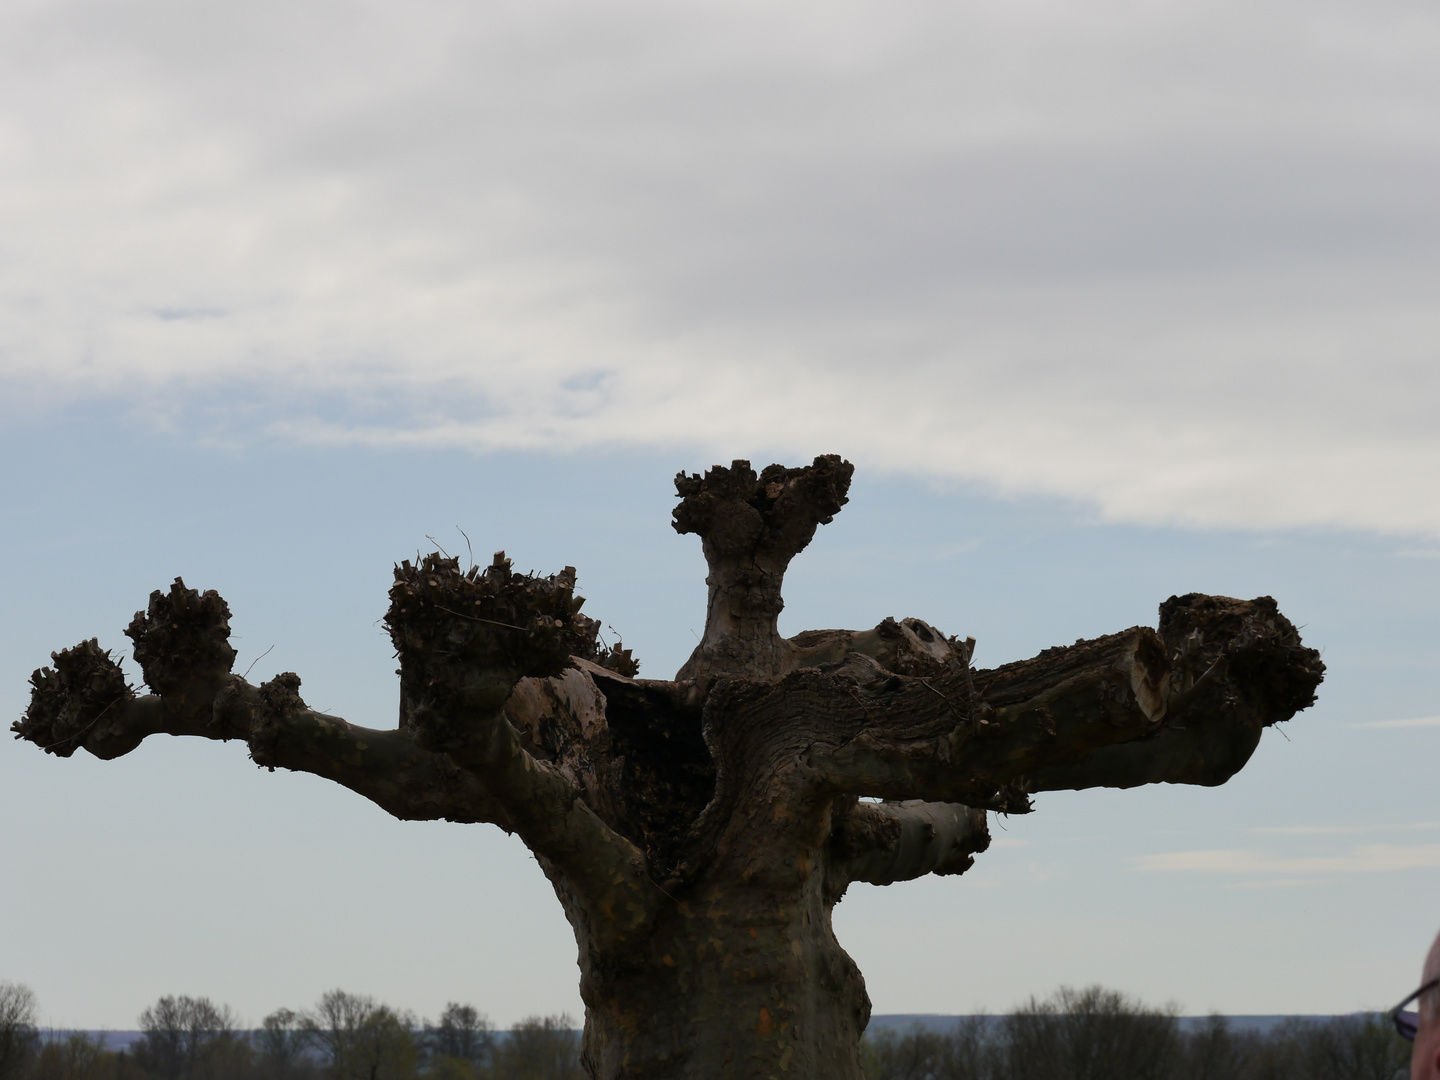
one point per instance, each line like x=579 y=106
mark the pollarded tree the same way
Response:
x=698 y=831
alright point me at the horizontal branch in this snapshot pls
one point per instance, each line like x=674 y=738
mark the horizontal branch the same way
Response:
x=385 y=767
x=1238 y=667
x=1182 y=705
x=882 y=843
x=944 y=739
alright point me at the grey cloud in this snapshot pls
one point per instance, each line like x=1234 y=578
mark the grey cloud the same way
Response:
x=1180 y=260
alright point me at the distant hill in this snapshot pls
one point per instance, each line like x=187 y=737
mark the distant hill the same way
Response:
x=114 y=1040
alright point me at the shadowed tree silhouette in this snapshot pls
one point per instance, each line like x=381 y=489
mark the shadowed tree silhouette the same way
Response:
x=461 y=1034
x=540 y=1048
x=182 y=1034
x=362 y=1039
x=19 y=1038
x=698 y=831
x=281 y=1043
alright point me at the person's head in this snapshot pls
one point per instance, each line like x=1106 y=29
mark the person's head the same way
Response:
x=1425 y=1057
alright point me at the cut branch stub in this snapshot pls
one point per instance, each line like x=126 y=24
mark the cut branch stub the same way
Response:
x=751 y=527
x=68 y=700
x=465 y=639
x=278 y=701
x=618 y=659
x=1250 y=641
x=181 y=639
x=882 y=843
x=907 y=647
x=1236 y=667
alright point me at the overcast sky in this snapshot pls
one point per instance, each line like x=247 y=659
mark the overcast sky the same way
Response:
x=1105 y=301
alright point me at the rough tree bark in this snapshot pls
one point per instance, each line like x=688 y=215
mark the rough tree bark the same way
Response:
x=699 y=831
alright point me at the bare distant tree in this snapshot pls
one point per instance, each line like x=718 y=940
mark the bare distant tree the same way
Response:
x=462 y=1033
x=916 y=1054
x=1351 y=1048
x=970 y=1052
x=178 y=1031
x=539 y=1048
x=335 y=1021
x=281 y=1043
x=77 y=1055
x=1215 y=1052
x=19 y=1034
x=1090 y=1034
x=364 y=1040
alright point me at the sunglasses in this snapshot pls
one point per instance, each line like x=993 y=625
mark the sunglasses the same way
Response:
x=1408 y=1023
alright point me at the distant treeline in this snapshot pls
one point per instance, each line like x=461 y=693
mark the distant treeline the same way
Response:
x=343 y=1037
x=1091 y=1034
x=1098 y=1034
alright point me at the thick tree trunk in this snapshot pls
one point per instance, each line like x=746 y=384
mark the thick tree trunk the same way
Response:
x=740 y=974
x=743 y=979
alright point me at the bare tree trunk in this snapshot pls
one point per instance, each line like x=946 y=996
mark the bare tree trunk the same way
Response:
x=746 y=979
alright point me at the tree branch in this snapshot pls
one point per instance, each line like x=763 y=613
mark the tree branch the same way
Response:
x=882 y=843
x=465 y=642
x=751 y=527
x=386 y=767
x=456 y=756
x=1185 y=705
x=1239 y=667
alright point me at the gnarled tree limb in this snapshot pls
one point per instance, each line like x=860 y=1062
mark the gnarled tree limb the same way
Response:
x=751 y=527
x=474 y=768
x=1185 y=705
x=385 y=767
x=466 y=640
x=882 y=843
x=1238 y=667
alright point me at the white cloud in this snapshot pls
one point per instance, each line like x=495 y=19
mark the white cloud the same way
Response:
x=1279 y=883
x=1413 y=722
x=1180 y=261
x=1367 y=859
x=1341 y=830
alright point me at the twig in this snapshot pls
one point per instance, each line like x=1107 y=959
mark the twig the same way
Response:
x=945 y=699
x=468 y=548
x=84 y=729
x=660 y=888
x=862 y=704
x=970 y=684
x=256 y=661
x=476 y=618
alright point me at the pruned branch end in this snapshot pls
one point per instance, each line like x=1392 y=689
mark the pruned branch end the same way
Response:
x=69 y=700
